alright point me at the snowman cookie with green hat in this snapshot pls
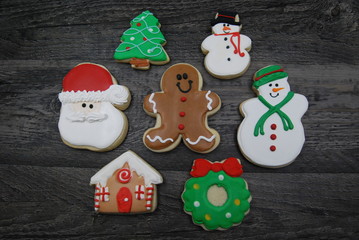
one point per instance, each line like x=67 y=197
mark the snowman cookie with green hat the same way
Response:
x=271 y=134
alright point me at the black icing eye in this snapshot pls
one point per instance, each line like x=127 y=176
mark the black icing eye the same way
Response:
x=84 y=105
x=227 y=25
x=224 y=24
x=91 y=106
x=276 y=85
x=185 y=76
x=270 y=85
x=179 y=77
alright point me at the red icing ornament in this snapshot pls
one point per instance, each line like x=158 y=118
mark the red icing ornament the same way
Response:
x=124 y=175
x=272 y=148
x=273 y=126
x=138 y=24
x=182 y=114
x=180 y=126
x=89 y=77
x=144 y=39
x=183 y=99
x=127 y=48
x=230 y=166
x=273 y=137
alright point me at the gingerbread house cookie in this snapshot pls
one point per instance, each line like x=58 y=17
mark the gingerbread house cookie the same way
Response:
x=126 y=185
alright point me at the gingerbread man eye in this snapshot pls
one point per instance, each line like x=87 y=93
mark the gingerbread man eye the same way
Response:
x=179 y=77
x=185 y=76
x=84 y=105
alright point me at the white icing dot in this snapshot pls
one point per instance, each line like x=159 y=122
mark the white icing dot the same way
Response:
x=228 y=215
x=143 y=17
x=149 y=50
x=196 y=204
x=132 y=38
x=150 y=29
x=126 y=199
x=221 y=177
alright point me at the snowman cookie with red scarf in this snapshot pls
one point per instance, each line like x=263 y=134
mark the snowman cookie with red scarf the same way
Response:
x=226 y=49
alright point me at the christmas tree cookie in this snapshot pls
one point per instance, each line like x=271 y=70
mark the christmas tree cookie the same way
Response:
x=142 y=44
x=272 y=134
x=216 y=197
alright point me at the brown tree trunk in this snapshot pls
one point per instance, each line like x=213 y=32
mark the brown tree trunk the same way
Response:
x=139 y=63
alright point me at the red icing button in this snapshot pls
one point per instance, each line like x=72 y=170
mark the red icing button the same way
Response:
x=272 y=148
x=180 y=126
x=182 y=114
x=273 y=137
x=144 y=39
x=183 y=99
x=273 y=126
x=138 y=24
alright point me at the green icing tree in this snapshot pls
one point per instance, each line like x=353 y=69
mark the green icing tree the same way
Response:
x=142 y=43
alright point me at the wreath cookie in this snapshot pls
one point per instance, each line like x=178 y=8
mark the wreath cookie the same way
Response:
x=216 y=196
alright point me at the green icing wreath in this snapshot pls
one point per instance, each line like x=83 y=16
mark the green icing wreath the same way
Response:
x=212 y=217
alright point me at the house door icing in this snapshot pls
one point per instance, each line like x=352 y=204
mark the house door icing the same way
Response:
x=124 y=200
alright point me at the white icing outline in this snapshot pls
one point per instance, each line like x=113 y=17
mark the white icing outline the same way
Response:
x=200 y=138
x=153 y=102
x=116 y=94
x=210 y=101
x=159 y=139
x=137 y=164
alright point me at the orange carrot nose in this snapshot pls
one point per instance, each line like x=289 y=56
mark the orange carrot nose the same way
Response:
x=277 y=89
x=225 y=28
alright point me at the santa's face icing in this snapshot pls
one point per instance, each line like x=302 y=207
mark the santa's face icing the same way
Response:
x=180 y=79
x=90 y=124
x=275 y=91
x=224 y=28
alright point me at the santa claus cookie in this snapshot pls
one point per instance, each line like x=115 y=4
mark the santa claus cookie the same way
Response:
x=216 y=196
x=226 y=49
x=271 y=134
x=142 y=44
x=181 y=110
x=90 y=115
x=126 y=185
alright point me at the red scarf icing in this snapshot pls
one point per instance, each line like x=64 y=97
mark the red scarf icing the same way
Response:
x=231 y=166
x=237 y=48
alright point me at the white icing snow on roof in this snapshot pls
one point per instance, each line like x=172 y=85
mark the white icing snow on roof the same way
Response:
x=142 y=168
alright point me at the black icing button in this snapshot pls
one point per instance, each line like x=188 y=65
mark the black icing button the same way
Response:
x=227 y=47
x=228 y=59
x=225 y=39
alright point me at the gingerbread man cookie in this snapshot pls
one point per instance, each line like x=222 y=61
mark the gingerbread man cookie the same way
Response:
x=181 y=110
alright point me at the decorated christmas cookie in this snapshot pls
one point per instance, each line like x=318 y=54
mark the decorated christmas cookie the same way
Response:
x=181 y=110
x=126 y=185
x=90 y=116
x=143 y=43
x=226 y=49
x=216 y=197
x=271 y=134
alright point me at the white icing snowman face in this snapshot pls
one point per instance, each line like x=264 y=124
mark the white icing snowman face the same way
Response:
x=275 y=91
x=224 y=28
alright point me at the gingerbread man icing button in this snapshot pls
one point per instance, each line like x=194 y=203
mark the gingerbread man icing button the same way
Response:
x=181 y=110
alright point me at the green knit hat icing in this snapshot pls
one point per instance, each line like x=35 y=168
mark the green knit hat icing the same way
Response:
x=268 y=74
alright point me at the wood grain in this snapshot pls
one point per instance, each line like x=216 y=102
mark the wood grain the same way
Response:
x=44 y=183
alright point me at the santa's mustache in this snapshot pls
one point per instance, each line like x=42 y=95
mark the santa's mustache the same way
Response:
x=89 y=117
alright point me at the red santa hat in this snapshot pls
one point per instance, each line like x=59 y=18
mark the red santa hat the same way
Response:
x=88 y=82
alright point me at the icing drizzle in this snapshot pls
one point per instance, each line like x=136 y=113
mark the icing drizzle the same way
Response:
x=159 y=139
x=153 y=102
x=199 y=139
x=210 y=101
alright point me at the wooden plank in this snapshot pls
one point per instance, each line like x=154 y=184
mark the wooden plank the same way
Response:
x=55 y=202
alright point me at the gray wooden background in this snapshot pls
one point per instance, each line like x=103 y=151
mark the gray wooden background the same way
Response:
x=44 y=185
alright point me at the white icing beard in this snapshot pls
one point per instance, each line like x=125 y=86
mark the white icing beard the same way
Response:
x=266 y=91
x=98 y=129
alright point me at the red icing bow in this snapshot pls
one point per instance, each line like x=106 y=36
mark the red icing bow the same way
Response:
x=230 y=166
